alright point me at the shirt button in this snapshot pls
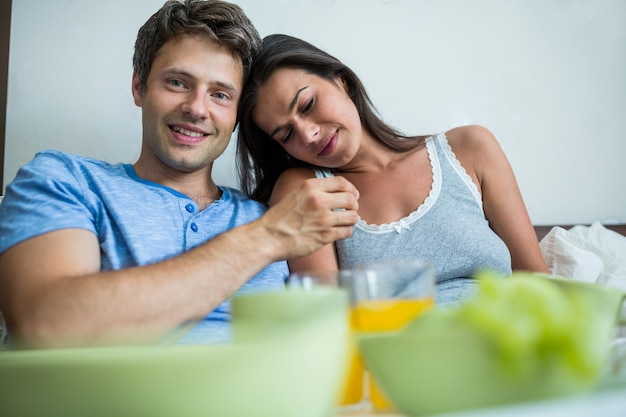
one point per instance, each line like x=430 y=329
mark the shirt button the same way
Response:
x=194 y=227
x=190 y=208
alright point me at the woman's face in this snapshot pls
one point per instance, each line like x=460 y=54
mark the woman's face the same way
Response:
x=312 y=118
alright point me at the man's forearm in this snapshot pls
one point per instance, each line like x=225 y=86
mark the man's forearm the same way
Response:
x=140 y=304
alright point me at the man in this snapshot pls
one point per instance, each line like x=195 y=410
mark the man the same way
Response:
x=93 y=253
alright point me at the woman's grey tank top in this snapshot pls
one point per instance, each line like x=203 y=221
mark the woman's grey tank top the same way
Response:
x=449 y=229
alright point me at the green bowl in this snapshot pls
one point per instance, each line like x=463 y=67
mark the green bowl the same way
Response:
x=286 y=375
x=453 y=372
x=451 y=367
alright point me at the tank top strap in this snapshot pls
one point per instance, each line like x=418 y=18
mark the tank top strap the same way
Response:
x=445 y=149
x=322 y=173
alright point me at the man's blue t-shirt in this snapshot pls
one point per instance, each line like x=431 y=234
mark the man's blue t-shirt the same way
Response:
x=137 y=222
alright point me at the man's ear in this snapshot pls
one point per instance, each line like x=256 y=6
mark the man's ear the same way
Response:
x=136 y=89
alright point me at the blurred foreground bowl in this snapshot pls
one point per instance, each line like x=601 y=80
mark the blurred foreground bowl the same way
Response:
x=294 y=373
x=449 y=366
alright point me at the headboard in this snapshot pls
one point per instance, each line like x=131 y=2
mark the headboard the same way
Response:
x=544 y=229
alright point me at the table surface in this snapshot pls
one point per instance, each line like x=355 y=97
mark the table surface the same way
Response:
x=608 y=402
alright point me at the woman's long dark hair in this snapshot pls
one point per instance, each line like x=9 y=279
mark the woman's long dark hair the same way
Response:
x=260 y=159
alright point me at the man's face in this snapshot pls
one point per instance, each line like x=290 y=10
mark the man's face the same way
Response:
x=189 y=108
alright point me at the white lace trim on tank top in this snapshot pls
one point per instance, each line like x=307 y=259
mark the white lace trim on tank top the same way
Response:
x=460 y=170
x=405 y=223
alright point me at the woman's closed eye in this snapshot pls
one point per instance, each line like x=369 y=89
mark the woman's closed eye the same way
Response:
x=287 y=136
x=308 y=105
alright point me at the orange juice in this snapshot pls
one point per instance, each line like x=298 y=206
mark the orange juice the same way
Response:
x=352 y=389
x=386 y=315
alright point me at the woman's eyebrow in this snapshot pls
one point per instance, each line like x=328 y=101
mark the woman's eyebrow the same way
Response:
x=295 y=99
x=291 y=106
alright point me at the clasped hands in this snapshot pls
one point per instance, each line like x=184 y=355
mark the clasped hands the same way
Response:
x=318 y=212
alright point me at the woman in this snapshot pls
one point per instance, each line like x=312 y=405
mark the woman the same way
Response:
x=450 y=198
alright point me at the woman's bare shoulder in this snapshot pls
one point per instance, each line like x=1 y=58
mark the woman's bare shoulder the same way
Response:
x=476 y=148
x=473 y=142
x=296 y=174
x=289 y=180
x=470 y=135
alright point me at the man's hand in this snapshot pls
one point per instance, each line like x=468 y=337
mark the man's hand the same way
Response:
x=317 y=212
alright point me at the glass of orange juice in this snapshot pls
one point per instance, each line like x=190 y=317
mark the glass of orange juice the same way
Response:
x=385 y=297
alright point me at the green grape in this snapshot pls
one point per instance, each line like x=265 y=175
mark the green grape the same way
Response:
x=531 y=321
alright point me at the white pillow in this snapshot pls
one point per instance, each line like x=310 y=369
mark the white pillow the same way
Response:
x=568 y=256
x=587 y=253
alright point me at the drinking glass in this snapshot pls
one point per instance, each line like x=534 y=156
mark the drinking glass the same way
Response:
x=351 y=388
x=385 y=297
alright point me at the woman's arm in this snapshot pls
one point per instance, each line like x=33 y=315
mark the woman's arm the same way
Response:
x=482 y=157
x=325 y=259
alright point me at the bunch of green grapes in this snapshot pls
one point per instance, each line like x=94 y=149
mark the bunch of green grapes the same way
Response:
x=532 y=322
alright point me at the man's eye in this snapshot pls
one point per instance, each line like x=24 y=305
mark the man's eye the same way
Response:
x=176 y=83
x=220 y=96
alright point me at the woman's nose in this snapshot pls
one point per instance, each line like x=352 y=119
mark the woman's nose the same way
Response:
x=308 y=131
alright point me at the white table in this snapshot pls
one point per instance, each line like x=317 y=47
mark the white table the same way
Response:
x=609 y=402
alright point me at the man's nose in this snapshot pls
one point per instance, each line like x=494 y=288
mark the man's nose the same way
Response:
x=196 y=105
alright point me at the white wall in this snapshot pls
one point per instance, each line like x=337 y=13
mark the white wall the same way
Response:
x=547 y=76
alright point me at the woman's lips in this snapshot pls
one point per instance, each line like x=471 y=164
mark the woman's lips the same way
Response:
x=330 y=146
